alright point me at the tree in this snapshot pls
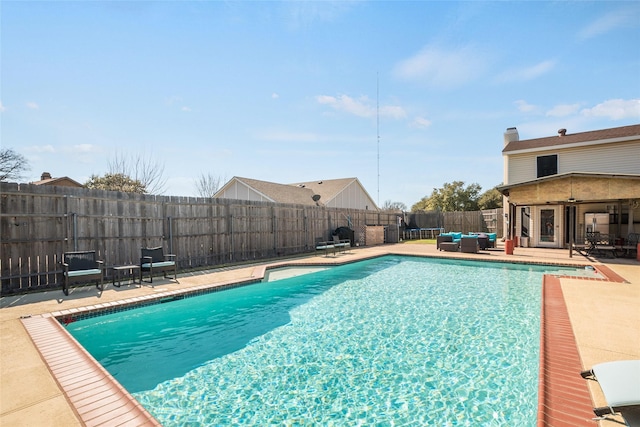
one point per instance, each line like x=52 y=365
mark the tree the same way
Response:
x=451 y=197
x=144 y=170
x=12 y=165
x=208 y=185
x=116 y=182
x=393 y=206
x=490 y=199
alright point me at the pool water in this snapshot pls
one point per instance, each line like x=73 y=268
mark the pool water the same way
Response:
x=390 y=341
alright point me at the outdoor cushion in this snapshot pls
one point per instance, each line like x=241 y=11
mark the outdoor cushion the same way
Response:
x=76 y=273
x=158 y=264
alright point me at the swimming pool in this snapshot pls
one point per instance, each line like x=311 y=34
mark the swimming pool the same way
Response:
x=390 y=341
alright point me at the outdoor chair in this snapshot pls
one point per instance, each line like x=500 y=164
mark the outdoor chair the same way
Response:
x=341 y=244
x=620 y=384
x=599 y=243
x=154 y=260
x=81 y=267
x=325 y=246
x=443 y=238
x=469 y=244
x=631 y=244
x=483 y=241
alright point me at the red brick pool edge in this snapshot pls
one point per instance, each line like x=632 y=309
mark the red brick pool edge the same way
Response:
x=563 y=396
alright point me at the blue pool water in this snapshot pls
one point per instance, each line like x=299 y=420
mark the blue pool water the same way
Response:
x=390 y=341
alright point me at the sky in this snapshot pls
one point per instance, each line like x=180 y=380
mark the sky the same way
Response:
x=405 y=96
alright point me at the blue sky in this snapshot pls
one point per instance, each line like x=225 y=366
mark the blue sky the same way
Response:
x=405 y=96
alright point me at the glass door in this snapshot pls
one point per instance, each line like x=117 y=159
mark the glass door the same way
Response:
x=548 y=224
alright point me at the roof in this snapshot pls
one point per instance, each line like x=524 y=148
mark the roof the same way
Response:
x=619 y=134
x=298 y=193
x=505 y=188
x=280 y=193
x=327 y=189
x=63 y=181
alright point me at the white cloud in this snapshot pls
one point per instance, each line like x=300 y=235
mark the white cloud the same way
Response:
x=2 y=108
x=563 y=110
x=527 y=73
x=275 y=95
x=33 y=105
x=610 y=21
x=421 y=123
x=393 y=111
x=442 y=67
x=524 y=106
x=361 y=107
x=84 y=148
x=185 y=109
x=345 y=103
x=615 y=109
x=40 y=149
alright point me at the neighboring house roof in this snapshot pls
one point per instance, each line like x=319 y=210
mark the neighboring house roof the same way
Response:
x=565 y=140
x=303 y=193
x=328 y=189
x=279 y=193
x=63 y=181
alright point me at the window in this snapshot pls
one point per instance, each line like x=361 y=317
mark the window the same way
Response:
x=547 y=165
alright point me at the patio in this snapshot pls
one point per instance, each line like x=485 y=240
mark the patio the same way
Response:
x=602 y=315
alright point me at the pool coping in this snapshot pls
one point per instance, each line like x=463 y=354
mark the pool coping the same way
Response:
x=98 y=399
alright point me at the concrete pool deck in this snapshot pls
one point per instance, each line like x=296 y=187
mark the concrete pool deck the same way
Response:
x=603 y=317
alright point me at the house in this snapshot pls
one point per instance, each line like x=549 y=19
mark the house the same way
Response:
x=558 y=188
x=336 y=193
x=64 y=181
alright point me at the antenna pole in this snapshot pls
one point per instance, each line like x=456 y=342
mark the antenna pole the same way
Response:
x=378 y=129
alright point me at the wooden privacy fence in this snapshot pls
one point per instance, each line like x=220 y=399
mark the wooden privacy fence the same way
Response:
x=474 y=221
x=39 y=223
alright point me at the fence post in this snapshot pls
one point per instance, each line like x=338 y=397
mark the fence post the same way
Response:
x=170 y=221
x=74 y=217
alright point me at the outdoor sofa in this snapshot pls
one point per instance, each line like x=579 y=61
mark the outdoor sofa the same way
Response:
x=468 y=243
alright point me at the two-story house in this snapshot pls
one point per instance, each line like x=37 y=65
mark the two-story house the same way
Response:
x=571 y=183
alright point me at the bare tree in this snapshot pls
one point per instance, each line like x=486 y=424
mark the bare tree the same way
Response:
x=393 y=206
x=143 y=169
x=207 y=185
x=12 y=165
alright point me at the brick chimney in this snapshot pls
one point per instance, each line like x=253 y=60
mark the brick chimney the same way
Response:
x=45 y=175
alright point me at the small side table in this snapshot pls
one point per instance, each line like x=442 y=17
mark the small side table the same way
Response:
x=449 y=246
x=131 y=270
